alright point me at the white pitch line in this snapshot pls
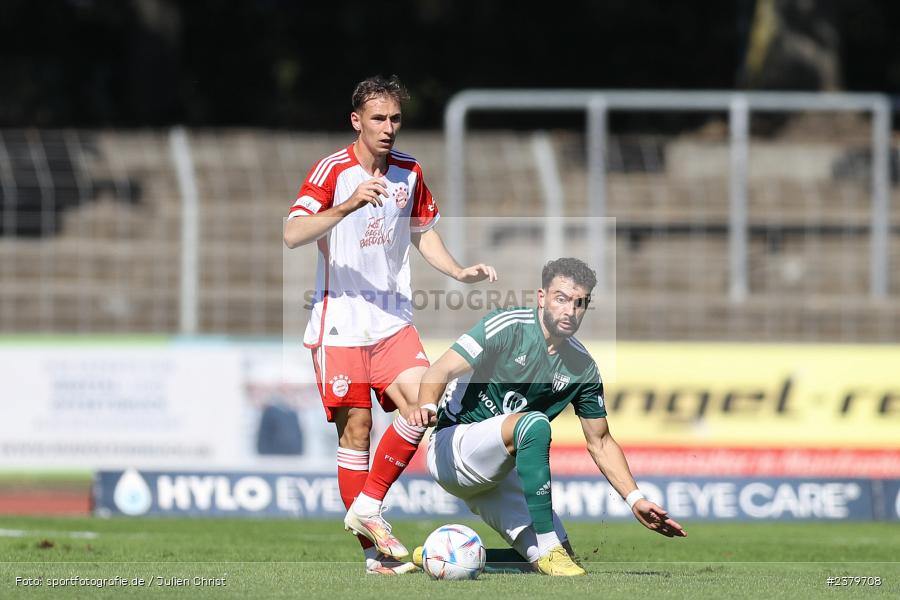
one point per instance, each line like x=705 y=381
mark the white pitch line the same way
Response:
x=83 y=535
x=12 y=533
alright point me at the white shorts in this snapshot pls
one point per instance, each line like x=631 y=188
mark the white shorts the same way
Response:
x=470 y=461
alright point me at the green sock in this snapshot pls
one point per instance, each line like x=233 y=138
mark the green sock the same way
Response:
x=531 y=439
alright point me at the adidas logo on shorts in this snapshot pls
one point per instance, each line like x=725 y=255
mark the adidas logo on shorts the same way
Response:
x=421 y=355
x=545 y=489
x=521 y=360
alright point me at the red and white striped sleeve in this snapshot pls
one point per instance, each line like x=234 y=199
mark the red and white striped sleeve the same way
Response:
x=317 y=192
x=425 y=213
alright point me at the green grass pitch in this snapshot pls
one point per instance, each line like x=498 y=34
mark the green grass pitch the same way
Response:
x=317 y=559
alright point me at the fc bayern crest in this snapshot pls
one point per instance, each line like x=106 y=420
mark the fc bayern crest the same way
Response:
x=401 y=195
x=340 y=385
x=560 y=381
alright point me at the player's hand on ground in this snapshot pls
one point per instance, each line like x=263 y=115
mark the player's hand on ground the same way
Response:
x=654 y=517
x=368 y=192
x=422 y=417
x=477 y=273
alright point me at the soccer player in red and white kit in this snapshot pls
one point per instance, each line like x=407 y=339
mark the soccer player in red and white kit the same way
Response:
x=363 y=206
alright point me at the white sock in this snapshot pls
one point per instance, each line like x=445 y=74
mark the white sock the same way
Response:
x=534 y=545
x=547 y=541
x=365 y=505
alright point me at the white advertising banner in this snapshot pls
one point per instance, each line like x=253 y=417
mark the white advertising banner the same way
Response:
x=104 y=405
x=155 y=403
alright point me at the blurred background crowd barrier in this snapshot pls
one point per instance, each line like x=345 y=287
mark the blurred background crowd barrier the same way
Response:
x=719 y=234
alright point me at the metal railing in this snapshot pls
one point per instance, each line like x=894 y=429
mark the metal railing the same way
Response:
x=180 y=231
x=739 y=105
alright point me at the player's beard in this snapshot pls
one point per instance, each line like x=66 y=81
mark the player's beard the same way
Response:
x=553 y=329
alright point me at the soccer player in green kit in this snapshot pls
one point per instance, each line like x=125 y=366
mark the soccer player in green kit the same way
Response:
x=491 y=444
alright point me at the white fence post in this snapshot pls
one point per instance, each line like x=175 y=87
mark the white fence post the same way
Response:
x=548 y=173
x=596 y=159
x=739 y=124
x=190 y=223
x=881 y=216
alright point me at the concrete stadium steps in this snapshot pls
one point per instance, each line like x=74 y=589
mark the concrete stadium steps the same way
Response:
x=136 y=152
x=74 y=260
x=232 y=167
x=115 y=263
x=241 y=313
x=654 y=198
x=99 y=308
x=222 y=257
x=700 y=264
x=111 y=221
x=839 y=266
x=241 y=226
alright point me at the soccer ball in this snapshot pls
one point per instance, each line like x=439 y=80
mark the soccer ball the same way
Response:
x=453 y=552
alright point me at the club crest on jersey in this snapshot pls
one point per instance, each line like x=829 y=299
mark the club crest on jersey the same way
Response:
x=560 y=381
x=401 y=195
x=376 y=235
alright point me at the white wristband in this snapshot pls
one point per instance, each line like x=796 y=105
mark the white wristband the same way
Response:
x=633 y=497
x=430 y=406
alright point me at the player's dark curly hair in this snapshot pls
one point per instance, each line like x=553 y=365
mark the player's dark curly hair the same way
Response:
x=376 y=86
x=572 y=268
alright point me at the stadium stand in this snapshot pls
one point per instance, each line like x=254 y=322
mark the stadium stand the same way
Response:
x=91 y=229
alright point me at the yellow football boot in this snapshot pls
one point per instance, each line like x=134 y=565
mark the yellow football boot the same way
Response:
x=558 y=563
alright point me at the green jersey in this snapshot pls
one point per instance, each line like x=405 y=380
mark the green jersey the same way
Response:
x=513 y=372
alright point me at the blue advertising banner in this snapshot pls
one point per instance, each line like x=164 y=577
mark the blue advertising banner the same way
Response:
x=249 y=494
x=889 y=490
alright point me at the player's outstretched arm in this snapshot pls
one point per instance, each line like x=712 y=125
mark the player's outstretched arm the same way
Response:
x=449 y=366
x=610 y=459
x=433 y=250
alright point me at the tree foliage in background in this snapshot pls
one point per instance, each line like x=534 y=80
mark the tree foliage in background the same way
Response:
x=286 y=63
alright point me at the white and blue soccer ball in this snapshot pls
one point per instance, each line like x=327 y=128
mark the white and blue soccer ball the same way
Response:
x=453 y=552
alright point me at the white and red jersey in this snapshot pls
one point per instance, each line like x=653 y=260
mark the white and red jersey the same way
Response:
x=363 y=290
